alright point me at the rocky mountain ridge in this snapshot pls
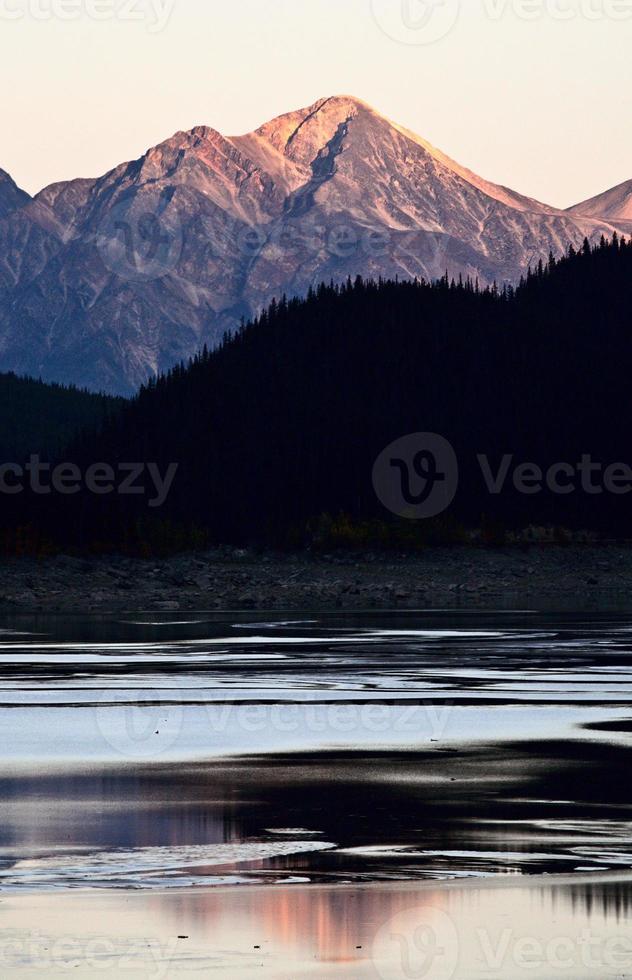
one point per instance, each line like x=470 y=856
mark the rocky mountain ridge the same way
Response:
x=105 y=282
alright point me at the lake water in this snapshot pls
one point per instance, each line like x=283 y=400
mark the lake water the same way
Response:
x=327 y=782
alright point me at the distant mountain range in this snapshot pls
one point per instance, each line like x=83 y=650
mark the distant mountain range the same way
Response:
x=105 y=282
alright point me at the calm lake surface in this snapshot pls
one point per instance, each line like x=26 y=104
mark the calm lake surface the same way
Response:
x=321 y=784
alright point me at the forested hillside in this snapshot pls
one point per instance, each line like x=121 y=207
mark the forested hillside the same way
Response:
x=44 y=418
x=283 y=424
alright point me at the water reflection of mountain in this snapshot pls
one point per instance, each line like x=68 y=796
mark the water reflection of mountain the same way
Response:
x=490 y=809
x=348 y=925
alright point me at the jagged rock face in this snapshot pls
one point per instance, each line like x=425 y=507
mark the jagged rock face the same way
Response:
x=104 y=282
x=11 y=196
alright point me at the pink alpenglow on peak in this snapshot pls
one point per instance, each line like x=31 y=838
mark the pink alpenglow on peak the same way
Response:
x=122 y=276
x=615 y=204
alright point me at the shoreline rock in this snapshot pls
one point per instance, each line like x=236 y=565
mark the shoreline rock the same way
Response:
x=583 y=575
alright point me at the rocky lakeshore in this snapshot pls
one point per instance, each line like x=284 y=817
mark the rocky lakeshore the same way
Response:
x=234 y=579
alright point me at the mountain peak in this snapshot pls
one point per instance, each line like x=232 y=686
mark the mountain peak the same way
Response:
x=11 y=196
x=614 y=204
x=300 y=135
x=184 y=141
x=350 y=102
x=318 y=194
x=201 y=145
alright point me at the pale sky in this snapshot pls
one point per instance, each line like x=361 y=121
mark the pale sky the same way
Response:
x=542 y=105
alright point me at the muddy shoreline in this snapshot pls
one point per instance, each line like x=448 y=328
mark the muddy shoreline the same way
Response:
x=295 y=931
x=578 y=576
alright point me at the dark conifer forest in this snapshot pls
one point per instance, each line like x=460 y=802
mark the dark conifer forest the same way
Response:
x=276 y=432
x=44 y=418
